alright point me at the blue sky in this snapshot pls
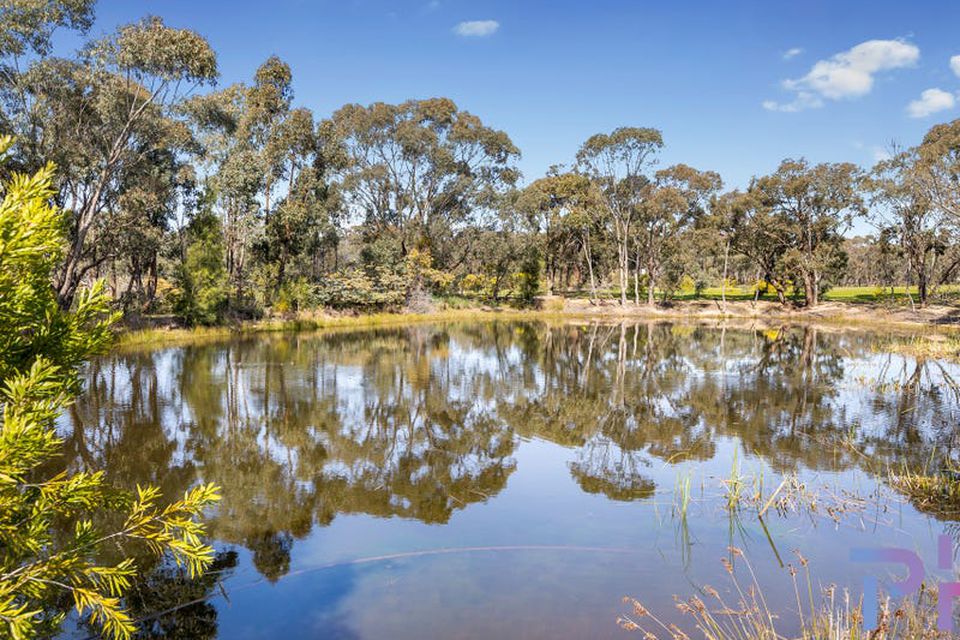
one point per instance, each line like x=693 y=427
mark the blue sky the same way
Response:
x=553 y=72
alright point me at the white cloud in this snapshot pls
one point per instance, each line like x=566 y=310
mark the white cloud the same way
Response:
x=803 y=100
x=931 y=101
x=849 y=74
x=477 y=28
x=955 y=64
x=792 y=53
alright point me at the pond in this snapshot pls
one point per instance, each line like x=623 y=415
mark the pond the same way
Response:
x=514 y=479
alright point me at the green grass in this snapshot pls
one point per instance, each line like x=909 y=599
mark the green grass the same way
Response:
x=863 y=295
x=881 y=294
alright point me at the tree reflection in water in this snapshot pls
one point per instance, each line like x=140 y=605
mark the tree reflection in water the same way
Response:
x=421 y=422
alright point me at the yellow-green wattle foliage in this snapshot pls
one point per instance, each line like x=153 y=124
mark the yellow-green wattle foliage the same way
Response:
x=48 y=542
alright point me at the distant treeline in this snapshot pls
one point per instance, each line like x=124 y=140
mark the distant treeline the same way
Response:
x=211 y=202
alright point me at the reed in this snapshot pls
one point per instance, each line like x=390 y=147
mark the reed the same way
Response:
x=931 y=492
x=822 y=613
x=940 y=346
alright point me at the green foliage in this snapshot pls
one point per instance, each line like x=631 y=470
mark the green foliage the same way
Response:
x=808 y=210
x=423 y=170
x=380 y=287
x=48 y=540
x=201 y=279
x=476 y=284
x=294 y=295
x=27 y=25
x=355 y=288
x=109 y=119
x=139 y=149
x=528 y=280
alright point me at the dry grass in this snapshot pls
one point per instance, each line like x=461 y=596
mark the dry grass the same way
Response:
x=837 y=315
x=937 y=346
x=316 y=322
x=937 y=493
x=822 y=613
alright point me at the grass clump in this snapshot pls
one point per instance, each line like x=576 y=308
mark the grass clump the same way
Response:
x=937 y=493
x=937 y=346
x=822 y=613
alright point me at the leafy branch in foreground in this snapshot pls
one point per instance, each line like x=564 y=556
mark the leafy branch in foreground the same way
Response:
x=41 y=348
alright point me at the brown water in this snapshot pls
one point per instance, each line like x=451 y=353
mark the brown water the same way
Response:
x=508 y=479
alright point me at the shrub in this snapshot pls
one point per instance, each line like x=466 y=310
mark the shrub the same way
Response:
x=295 y=295
x=201 y=292
x=48 y=542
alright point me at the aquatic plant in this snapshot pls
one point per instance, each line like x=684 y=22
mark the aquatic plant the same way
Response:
x=823 y=613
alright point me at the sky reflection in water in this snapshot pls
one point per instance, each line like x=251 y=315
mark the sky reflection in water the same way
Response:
x=552 y=452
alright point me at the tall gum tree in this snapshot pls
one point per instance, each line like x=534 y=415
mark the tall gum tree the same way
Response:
x=562 y=211
x=619 y=163
x=908 y=216
x=938 y=164
x=101 y=118
x=419 y=172
x=811 y=207
x=676 y=198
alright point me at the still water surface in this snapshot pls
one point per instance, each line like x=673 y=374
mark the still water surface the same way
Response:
x=507 y=479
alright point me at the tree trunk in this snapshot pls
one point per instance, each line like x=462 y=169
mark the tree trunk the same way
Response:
x=636 y=280
x=589 y=256
x=152 y=282
x=810 y=289
x=651 y=281
x=622 y=265
x=723 y=284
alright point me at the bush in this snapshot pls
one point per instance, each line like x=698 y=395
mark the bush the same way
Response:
x=201 y=292
x=356 y=289
x=384 y=288
x=48 y=542
x=527 y=281
x=295 y=295
x=477 y=284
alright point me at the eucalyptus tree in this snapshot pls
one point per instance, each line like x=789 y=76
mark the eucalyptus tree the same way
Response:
x=563 y=211
x=302 y=229
x=499 y=248
x=138 y=232
x=102 y=118
x=757 y=236
x=908 y=215
x=418 y=173
x=938 y=160
x=266 y=108
x=26 y=32
x=873 y=260
x=619 y=163
x=231 y=174
x=676 y=198
x=718 y=221
x=811 y=207
x=267 y=175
